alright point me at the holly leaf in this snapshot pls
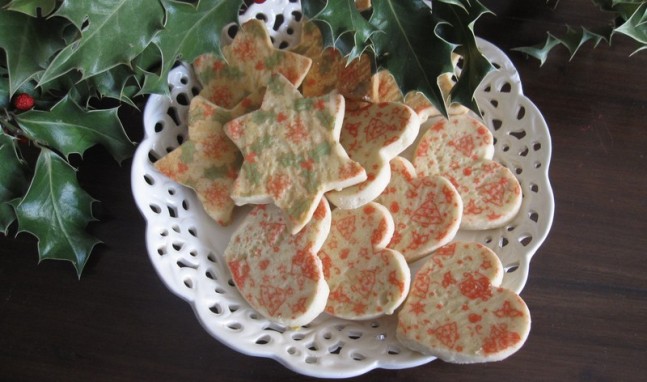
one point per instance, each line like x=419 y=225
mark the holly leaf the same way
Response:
x=119 y=83
x=28 y=43
x=112 y=33
x=338 y=20
x=573 y=40
x=56 y=210
x=189 y=32
x=14 y=179
x=460 y=29
x=636 y=26
x=624 y=8
x=409 y=45
x=4 y=88
x=33 y=8
x=70 y=129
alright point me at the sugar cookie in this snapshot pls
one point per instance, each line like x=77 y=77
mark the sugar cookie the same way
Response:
x=279 y=274
x=457 y=312
x=330 y=71
x=291 y=151
x=426 y=210
x=373 y=135
x=387 y=89
x=247 y=65
x=208 y=161
x=461 y=150
x=366 y=280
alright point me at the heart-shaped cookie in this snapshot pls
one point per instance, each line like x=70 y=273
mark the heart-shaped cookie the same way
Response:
x=366 y=280
x=457 y=312
x=279 y=274
x=461 y=150
x=426 y=210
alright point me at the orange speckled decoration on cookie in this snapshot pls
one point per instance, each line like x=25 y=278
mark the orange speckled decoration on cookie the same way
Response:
x=279 y=274
x=447 y=145
x=330 y=71
x=208 y=161
x=373 y=135
x=426 y=210
x=386 y=89
x=491 y=194
x=311 y=43
x=291 y=151
x=461 y=150
x=457 y=312
x=366 y=280
x=248 y=63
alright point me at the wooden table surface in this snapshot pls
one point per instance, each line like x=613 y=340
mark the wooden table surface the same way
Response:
x=587 y=289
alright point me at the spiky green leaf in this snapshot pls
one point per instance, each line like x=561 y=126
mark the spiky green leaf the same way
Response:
x=56 y=210
x=33 y=8
x=460 y=20
x=189 y=31
x=409 y=45
x=13 y=172
x=339 y=22
x=112 y=33
x=636 y=26
x=4 y=88
x=573 y=40
x=70 y=129
x=28 y=44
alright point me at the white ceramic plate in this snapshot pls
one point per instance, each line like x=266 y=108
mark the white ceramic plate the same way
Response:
x=185 y=246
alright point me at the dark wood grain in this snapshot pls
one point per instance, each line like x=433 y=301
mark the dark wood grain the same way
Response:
x=587 y=289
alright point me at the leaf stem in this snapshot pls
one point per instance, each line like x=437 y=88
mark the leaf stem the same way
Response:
x=6 y=121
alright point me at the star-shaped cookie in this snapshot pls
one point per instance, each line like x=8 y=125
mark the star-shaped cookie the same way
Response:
x=208 y=161
x=291 y=150
x=248 y=63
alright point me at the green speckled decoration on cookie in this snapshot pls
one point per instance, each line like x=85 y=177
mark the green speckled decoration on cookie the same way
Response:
x=208 y=161
x=292 y=158
x=248 y=63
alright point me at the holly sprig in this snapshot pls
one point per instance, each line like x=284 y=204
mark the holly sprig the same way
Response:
x=626 y=17
x=414 y=40
x=66 y=67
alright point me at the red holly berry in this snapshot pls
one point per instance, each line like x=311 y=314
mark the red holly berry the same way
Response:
x=23 y=101
x=259 y=1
